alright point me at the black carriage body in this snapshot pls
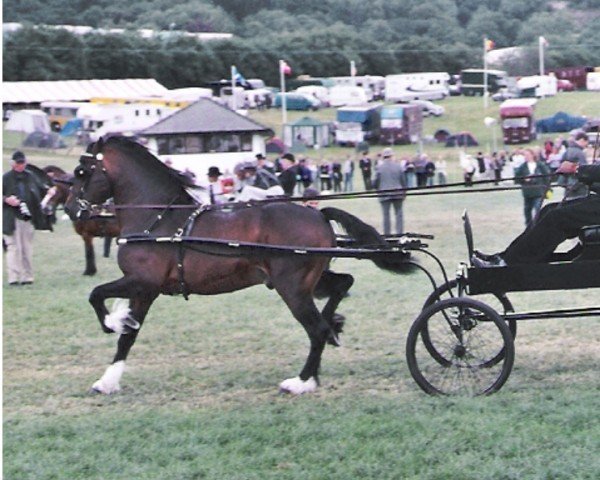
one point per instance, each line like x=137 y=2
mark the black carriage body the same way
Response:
x=534 y=277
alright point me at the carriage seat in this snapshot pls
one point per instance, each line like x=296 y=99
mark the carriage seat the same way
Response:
x=589 y=237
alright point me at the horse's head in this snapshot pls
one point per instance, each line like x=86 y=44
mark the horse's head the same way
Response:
x=91 y=184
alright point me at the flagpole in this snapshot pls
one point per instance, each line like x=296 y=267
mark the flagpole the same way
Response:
x=353 y=72
x=541 y=53
x=283 y=99
x=485 y=76
x=233 y=96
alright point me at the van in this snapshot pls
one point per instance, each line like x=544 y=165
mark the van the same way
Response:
x=296 y=101
x=342 y=95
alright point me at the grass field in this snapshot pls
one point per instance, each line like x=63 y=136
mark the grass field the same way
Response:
x=200 y=398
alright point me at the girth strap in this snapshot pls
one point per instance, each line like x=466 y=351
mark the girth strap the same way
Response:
x=185 y=231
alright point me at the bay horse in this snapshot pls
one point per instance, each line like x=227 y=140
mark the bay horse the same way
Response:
x=120 y=168
x=102 y=224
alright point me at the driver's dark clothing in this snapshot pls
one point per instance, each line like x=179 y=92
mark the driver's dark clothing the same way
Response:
x=557 y=222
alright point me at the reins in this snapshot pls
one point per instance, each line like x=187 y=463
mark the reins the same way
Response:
x=408 y=191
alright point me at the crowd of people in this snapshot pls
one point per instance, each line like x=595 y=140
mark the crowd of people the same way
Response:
x=534 y=168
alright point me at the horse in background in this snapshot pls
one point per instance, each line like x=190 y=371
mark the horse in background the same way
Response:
x=103 y=224
x=126 y=171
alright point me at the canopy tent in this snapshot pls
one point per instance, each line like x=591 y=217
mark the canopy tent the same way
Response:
x=307 y=131
x=28 y=121
x=462 y=139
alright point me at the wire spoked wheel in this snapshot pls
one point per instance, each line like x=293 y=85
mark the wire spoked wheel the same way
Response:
x=467 y=335
x=500 y=303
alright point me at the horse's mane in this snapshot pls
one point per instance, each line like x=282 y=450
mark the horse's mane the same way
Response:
x=140 y=153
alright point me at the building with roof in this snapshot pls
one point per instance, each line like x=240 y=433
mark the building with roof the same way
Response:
x=20 y=95
x=206 y=134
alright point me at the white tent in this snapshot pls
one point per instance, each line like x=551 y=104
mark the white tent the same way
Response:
x=28 y=121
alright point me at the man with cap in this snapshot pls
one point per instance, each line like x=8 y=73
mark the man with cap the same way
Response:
x=215 y=188
x=575 y=154
x=390 y=176
x=256 y=184
x=22 y=193
x=289 y=176
x=263 y=163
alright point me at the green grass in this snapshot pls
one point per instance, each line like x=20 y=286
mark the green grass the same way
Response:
x=200 y=398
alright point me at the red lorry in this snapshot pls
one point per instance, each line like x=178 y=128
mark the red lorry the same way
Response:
x=517 y=120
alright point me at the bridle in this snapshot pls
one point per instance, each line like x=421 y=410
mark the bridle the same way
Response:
x=87 y=172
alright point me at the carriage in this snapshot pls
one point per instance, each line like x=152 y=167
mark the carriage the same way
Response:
x=461 y=343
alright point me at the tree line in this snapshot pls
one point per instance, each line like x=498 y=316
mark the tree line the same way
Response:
x=319 y=38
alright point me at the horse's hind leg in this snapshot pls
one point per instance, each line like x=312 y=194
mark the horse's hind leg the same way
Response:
x=335 y=286
x=107 y=242
x=319 y=331
x=110 y=381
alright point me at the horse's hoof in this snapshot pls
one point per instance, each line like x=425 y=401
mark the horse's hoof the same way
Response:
x=338 y=318
x=89 y=274
x=94 y=391
x=296 y=386
x=334 y=340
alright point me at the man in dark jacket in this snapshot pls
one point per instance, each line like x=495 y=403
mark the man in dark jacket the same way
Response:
x=289 y=175
x=555 y=223
x=534 y=176
x=22 y=193
x=390 y=176
x=575 y=154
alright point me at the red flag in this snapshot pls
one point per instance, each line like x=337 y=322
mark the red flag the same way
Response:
x=285 y=68
x=489 y=44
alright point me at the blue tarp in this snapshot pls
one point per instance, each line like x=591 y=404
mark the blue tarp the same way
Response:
x=356 y=115
x=559 y=122
x=71 y=127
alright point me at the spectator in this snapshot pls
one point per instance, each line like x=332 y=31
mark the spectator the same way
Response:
x=496 y=165
x=348 y=171
x=22 y=193
x=420 y=163
x=337 y=176
x=390 y=176
x=480 y=163
x=254 y=184
x=215 y=188
x=441 y=168
x=288 y=176
x=304 y=173
x=366 y=168
x=575 y=154
x=262 y=162
x=534 y=176
x=325 y=175
x=429 y=171
x=410 y=173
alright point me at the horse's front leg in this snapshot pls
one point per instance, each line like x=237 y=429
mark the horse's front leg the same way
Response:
x=110 y=381
x=120 y=320
x=90 y=257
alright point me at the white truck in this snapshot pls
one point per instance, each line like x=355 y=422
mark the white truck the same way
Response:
x=537 y=86
x=405 y=87
x=100 y=119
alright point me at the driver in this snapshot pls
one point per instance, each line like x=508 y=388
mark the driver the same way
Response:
x=554 y=224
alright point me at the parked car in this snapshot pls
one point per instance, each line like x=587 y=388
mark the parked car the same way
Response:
x=296 y=101
x=505 y=94
x=563 y=85
x=428 y=108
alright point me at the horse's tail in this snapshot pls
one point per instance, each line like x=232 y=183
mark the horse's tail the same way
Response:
x=366 y=236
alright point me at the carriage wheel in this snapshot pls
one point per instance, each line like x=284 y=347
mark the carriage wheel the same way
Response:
x=500 y=303
x=467 y=335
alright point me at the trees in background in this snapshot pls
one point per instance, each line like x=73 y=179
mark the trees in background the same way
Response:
x=316 y=37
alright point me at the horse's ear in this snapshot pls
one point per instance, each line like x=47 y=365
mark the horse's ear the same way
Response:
x=99 y=145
